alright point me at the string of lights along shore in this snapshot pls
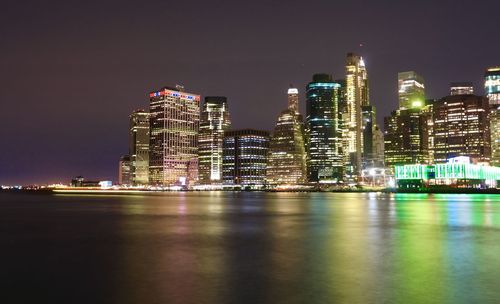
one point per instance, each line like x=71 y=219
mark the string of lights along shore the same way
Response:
x=186 y=142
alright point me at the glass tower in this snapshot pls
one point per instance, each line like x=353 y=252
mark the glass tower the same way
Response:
x=214 y=121
x=323 y=136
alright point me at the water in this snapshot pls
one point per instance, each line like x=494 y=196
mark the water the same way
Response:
x=250 y=248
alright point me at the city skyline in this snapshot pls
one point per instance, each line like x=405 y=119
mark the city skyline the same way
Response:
x=103 y=87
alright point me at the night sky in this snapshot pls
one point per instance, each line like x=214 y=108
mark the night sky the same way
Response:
x=72 y=71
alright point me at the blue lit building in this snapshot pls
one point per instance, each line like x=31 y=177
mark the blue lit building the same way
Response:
x=244 y=157
x=323 y=135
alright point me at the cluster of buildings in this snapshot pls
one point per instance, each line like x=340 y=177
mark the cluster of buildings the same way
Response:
x=184 y=143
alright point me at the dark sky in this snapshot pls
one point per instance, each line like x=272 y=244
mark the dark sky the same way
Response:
x=72 y=71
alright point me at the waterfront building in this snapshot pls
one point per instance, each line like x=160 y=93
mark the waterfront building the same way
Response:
x=287 y=157
x=461 y=128
x=174 y=126
x=244 y=158
x=492 y=87
x=214 y=121
x=139 y=147
x=456 y=172
x=406 y=137
x=357 y=96
x=411 y=90
x=125 y=171
x=461 y=88
x=323 y=136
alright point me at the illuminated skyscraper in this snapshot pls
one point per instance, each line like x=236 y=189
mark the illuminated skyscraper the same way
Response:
x=214 y=122
x=357 y=96
x=492 y=86
x=293 y=100
x=461 y=128
x=411 y=90
x=287 y=157
x=139 y=147
x=174 y=125
x=244 y=157
x=461 y=88
x=323 y=136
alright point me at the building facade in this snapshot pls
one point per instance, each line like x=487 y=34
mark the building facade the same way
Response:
x=287 y=157
x=411 y=90
x=174 y=126
x=323 y=136
x=214 y=121
x=461 y=88
x=244 y=158
x=139 y=147
x=406 y=137
x=357 y=96
x=492 y=87
x=125 y=171
x=461 y=128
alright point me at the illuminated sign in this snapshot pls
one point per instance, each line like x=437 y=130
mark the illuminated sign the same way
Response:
x=175 y=94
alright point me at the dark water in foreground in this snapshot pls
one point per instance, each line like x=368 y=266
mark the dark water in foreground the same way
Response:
x=250 y=248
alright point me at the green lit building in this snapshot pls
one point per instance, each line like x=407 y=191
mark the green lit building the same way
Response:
x=455 y=174
x=323 y=135
x=411 y=90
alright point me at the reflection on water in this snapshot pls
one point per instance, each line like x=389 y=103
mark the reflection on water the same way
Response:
x=252 y=248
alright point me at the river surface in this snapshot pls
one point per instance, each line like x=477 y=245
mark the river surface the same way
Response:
x=250 y=248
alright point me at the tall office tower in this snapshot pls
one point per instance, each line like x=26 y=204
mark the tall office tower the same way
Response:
x=214 y=121
x=461 y=128
x=356 y=97
x=173 y=145
x=461 y=88
x=406 y=137
x=378 y=147
x=495 y=136
x=139 y=147
x=323 y=136
x=368 y=125
x=125 y=171
x=492 y=86
x=411 y=90
x=244 y=157
x=287 y=158
x=293 y=99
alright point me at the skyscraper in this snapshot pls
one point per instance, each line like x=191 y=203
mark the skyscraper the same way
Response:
x=461 y=128
x=492 y=86
x=124 y=171
x=323 y=136
x=139 y=147
x=411 y=90
x=406 y=137
x=357 y=96
x=244 y=157
x=287 y=157
x=174 y=125
x=214 y=121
